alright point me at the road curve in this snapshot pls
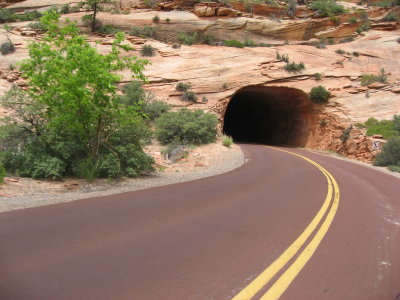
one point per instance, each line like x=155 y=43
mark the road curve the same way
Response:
x=211 y=238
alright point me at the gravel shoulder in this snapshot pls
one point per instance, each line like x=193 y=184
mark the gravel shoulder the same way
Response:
x=204 y=161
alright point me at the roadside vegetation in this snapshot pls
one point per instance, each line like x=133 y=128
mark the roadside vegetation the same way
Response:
x=386 y=128
x=367 y=79
x=319 y=94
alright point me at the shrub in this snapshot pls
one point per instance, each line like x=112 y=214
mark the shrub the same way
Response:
x=367 y=79
x=175 y=151
x=133 y=94
x=249 y=43
x=294 y=67
x=208 y=39
x=189 y=96
x=37 y=26
x=107 y=29
x=187 y=39
x=176 y=45
x=396 y=123
x=318 y=76
x=168 y=20
x=224 y=85
x=319 y=94
x=335 y=20
x=233 y=43
x=323 y=123
x=346 y=40
x=394 y=168
x=204 y=99
x=390 y=17
x=7 y=16
x=353 y=20
x=155 y=109
x=320 y=45
x=7 y=48
x=143 y=31
x=340 y=51
x=182 y=87
x=186 y=126
x=65 y=9
x=283 y=57
x=227 y=141
x=356 y=54
x=346 y=134
x=2 y=173
x=326 y=8
x=147 y=50
x=386 y=128
x=390 y=154
x=156 y=19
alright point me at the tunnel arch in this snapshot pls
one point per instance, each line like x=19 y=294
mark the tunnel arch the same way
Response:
x=269 y=115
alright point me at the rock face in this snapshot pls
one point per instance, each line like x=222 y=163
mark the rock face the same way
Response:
x=220 y=73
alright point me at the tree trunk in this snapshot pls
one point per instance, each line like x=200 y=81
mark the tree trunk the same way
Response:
x=93 y=25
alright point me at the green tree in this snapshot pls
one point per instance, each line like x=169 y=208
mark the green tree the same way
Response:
x=94 y=6
x=81 y=117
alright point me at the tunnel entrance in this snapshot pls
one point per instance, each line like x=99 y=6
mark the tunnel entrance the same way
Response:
x=269 y=115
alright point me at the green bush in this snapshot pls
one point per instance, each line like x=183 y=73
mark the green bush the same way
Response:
x=326 y=8
x=147 y=50
x=390 y=154
x=346 y=134
x=176 y=45
x=390 y=17
x=250 y=43
x=7 y=48
x=189 y=96
x=227 y=141
x=37 y=26
x=367 y=79
x=356 y=54
x=7 y=16
x=187 y=39
x=186 y=126
x=182 y=86
x=353 y=20
x=107 y=29
x=143 y=31
x=233 y=43
x=318 y=76
x=2 y=173
x=386 y=128
x=340 y=51
x=133 y=94
x=396 y=123
x=294 y=67
x=283 y=57
x=156 y=108
x=319 y=94
x=156 y=19
x=65 y=9
x=394 y=168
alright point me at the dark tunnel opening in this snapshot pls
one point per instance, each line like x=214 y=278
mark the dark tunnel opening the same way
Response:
x=269 y=115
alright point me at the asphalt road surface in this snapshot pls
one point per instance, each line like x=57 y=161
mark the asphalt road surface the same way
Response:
x=280 y=226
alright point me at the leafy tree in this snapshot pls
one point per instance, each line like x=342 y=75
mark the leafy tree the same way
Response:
x=390 y=154
x=71 y=112
x=94 y=6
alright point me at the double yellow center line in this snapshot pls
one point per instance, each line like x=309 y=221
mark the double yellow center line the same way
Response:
x=298 y=247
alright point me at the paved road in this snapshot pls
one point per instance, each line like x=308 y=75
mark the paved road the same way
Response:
x=212 y=238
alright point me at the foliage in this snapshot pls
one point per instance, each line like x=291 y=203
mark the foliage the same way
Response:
x=187 y=39
x=176 y=45
x=340 y=51
x=208 y=39
x=186 y=126
x=175 y=151
x=37 y=26
x=367 y=79
x=294 y=67
x=8 y=16
x=394 y=168
x=283 y=57
x=386 y=128
x=327 y=8
x=155 y=108
x=65 y=9
x=7 y=48
x=319 y=94
x=346 y=134
x=227 y=141
x=182 y=86
x=317 y=76
x=94 y=7
x=143 y=31
x=2 y=173
x=390 y=17
x=249 y=43
x=233 y=43
x=108 y=29
x=189 y=96
x=346 y=40
x=356 y=54
x=390 y=153
x=71 y=111
x=147 y=50
x=156 y=19
x=353 y=20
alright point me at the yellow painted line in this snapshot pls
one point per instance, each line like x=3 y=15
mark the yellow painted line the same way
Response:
x=260 y=281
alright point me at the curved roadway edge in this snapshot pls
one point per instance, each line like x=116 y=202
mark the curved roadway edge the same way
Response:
x=222 y=162
x=208 y=238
